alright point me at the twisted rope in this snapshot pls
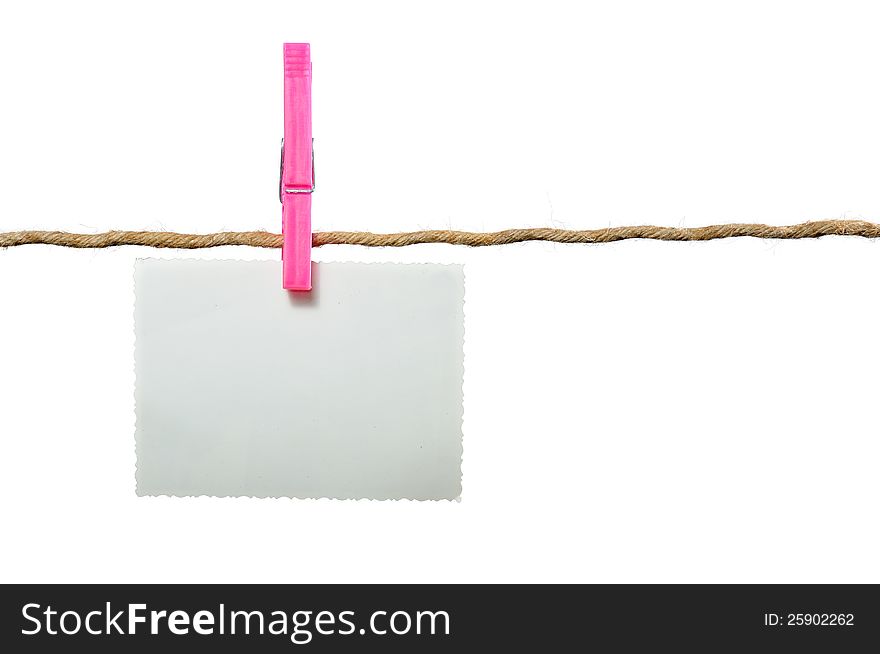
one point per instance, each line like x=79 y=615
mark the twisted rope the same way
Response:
x=474 y=239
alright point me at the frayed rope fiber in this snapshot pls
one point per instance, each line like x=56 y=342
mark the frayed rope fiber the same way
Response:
x=473 y=239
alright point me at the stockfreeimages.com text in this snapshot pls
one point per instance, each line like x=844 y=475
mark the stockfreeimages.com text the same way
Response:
x=300 y=626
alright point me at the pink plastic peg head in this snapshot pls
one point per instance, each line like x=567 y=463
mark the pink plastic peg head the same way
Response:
x=297 y=169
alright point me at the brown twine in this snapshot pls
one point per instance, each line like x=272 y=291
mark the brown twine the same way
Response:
x=605 y=235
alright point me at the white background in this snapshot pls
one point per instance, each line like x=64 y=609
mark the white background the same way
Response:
x=633 y=412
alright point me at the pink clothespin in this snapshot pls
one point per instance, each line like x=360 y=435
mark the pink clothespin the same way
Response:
x=297 y=169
